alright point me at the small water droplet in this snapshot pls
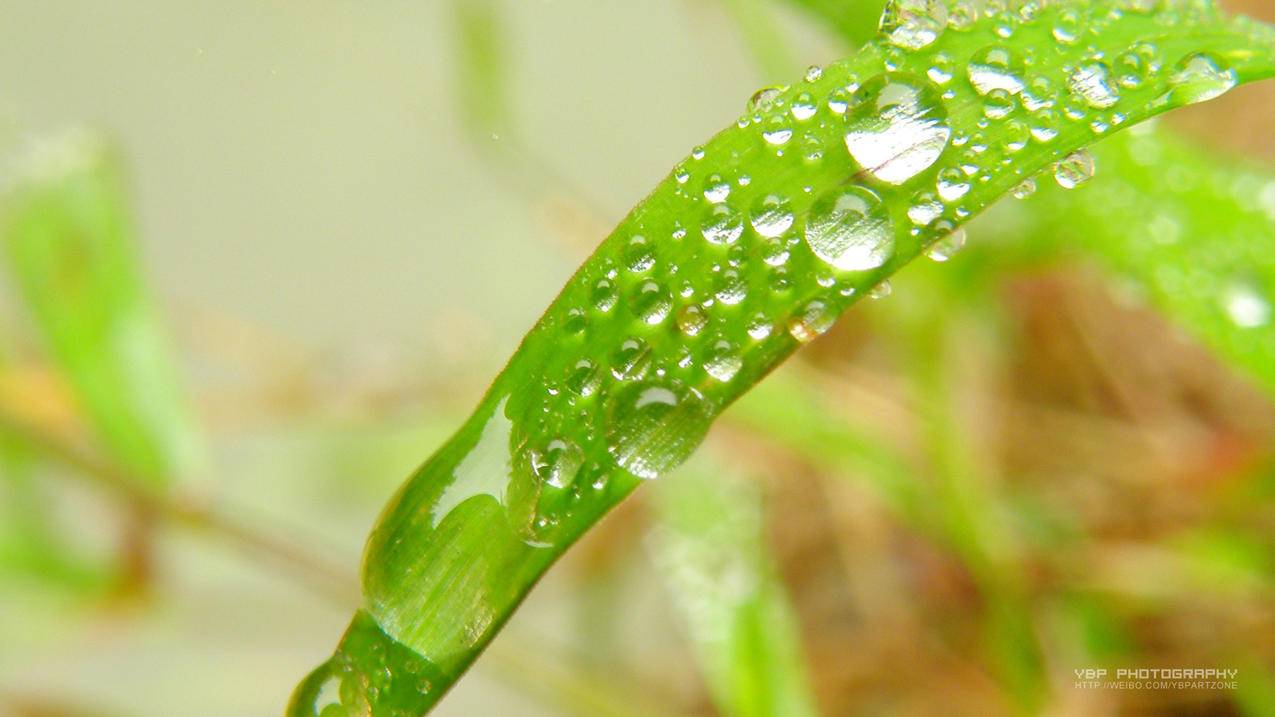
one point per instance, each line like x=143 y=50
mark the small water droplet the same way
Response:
x=948 y=246
x=881 y=291
x=813 y=321
x=1092 y=82
x=652 y=303
x=996 y=68
x=691 y=320
x=1024 y=189
x=763 y=99
x=772 y=216
x=914 y=24
x=1074 y=170
x=716 y=189
x=952 y=184
x=723 y=361
x=722 y=224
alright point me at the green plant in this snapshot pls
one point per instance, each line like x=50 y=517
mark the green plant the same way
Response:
x=753 y=246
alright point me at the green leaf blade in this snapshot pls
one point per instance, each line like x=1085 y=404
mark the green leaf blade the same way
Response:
x=751 y=247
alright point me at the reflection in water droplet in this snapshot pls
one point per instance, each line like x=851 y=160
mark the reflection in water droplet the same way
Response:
x=850 y=229
x=654 y=428
x=897 y=127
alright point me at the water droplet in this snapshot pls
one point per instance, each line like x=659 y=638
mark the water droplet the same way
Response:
x=631 y=359
x=722 y=224
x=924 y=209
x=948 y=246
x=772 y=216
x=652 y=303
x=897 y=127
x=850 y=229
x=1074 y=170
x=730 y=288
x=763 y=99
x=881 y=291
x=654 y=428
x=996 y=68
x=998 y=104
x=639 y=256
x=913 y=24
x=952 y=184
x=716 y=189
x=813 y=73
x=759 y=327
x=803 y=107
x=813 y=321
x=604 y=295
x=583 y=380
x=558 y=463
x=1024 y=189
x=723 y=361
x=777 y=136
x=1198 y=78
x=691 y=320
x=1092 y=82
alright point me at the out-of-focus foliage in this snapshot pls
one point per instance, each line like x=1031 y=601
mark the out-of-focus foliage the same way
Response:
x=66 y=232
x=711 y=543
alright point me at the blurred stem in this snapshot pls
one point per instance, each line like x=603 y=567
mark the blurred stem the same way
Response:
x=327 y=580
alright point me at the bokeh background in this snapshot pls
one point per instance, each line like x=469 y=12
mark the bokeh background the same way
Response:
x=347 y=213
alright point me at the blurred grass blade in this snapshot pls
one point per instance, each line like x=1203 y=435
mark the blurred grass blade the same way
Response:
x=481 y=68
x=30 y=545
x=1197 y=240
x=72 y=255
x=752 y=246
x=761 y=34
x=710 y=544
x=855 y=21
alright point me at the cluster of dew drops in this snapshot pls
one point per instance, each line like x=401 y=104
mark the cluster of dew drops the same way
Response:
x=657 y=389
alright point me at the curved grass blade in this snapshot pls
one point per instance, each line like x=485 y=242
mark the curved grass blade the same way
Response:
x=710 y=544
x=752 y=246
x=71 y=253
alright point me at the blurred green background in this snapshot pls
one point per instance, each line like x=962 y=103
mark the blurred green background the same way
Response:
x=340 y=246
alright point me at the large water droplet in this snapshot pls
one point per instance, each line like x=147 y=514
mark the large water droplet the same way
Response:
x=898 y=127
x=558 y=463
x=1199 y=78
x=654 y=428
x=723 y=361
x=850 y=228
